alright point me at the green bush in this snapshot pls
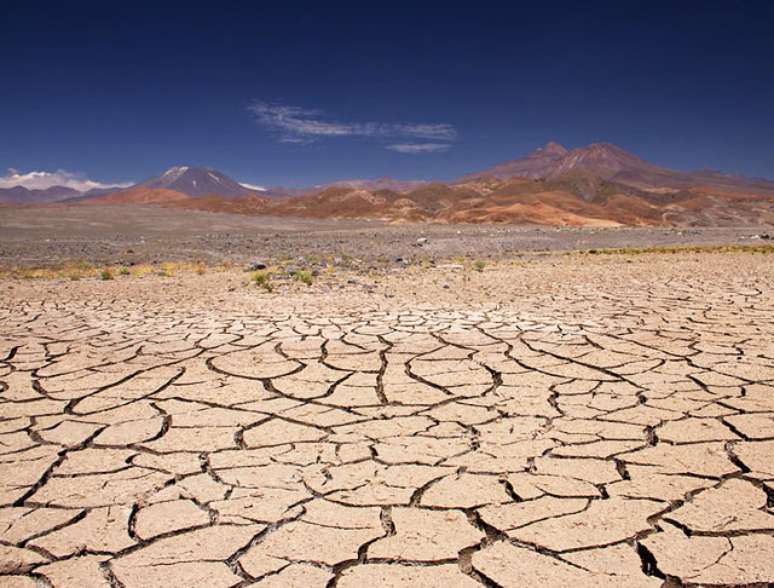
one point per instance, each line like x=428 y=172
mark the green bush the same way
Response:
x=263 y=280
x=304 y=276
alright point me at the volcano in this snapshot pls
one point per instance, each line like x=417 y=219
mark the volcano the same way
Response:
x=197 y=182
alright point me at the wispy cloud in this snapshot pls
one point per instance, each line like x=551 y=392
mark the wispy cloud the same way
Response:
x=419 y=147
x=252 y=187
x=40 y=180
x=294 y=124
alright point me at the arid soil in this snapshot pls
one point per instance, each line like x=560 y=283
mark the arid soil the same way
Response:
x=52 y=235
x=586 y=421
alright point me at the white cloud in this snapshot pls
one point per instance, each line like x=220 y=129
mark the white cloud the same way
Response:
x=40 y=180
x=419 y=147
x=252 y=187
x=304 y=125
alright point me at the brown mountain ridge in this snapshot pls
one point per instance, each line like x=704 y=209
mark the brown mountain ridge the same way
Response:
x=597 y=185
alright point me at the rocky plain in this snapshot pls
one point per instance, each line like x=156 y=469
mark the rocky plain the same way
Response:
x=434 y=405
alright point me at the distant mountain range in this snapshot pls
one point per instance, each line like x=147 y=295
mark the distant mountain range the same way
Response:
x=189 y=181
x=375 y=184
x=22 y=195
x=598 y=185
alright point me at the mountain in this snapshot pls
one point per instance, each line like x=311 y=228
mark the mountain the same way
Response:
x=138 y=195
x=513 y=201
x=598 y=185
x=377 y=184
x=22 y=195
x=605 y=162
x=197 y=182
x=372 y=184
x=178 y=184
x=538 y=164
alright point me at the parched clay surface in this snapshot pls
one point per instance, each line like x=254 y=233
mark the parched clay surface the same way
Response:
x=607 y=425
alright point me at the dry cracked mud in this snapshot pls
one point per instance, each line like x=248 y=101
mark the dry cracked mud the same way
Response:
x=586 y=423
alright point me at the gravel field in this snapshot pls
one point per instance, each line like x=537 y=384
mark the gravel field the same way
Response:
x=46 y=236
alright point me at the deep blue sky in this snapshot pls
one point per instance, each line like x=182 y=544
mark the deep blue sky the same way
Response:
x=121 y=91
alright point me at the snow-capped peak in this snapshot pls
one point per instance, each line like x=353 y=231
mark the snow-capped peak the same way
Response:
x=175 y=172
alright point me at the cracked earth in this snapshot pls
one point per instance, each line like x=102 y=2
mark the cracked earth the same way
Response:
x=587 y=423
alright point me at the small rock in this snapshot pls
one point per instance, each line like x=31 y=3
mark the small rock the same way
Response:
x=256 y=265
x=421 y=241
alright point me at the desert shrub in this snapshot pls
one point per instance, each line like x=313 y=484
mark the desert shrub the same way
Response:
x=304 y=276
x=263 y=279
x=106 y=274
x=479 y=265
x=124 y=271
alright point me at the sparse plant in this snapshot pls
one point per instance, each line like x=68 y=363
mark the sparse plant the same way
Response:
x=169 y=269
x=105 y=275
x=426 y=262
x=479 y=265
x=304 y=276
x=263 y=279
x=124 y=271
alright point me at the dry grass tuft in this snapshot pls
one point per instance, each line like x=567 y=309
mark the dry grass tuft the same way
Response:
x=263 y=280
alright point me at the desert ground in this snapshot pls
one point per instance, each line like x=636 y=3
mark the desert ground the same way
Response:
x=535 y=420
x=37 y=236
